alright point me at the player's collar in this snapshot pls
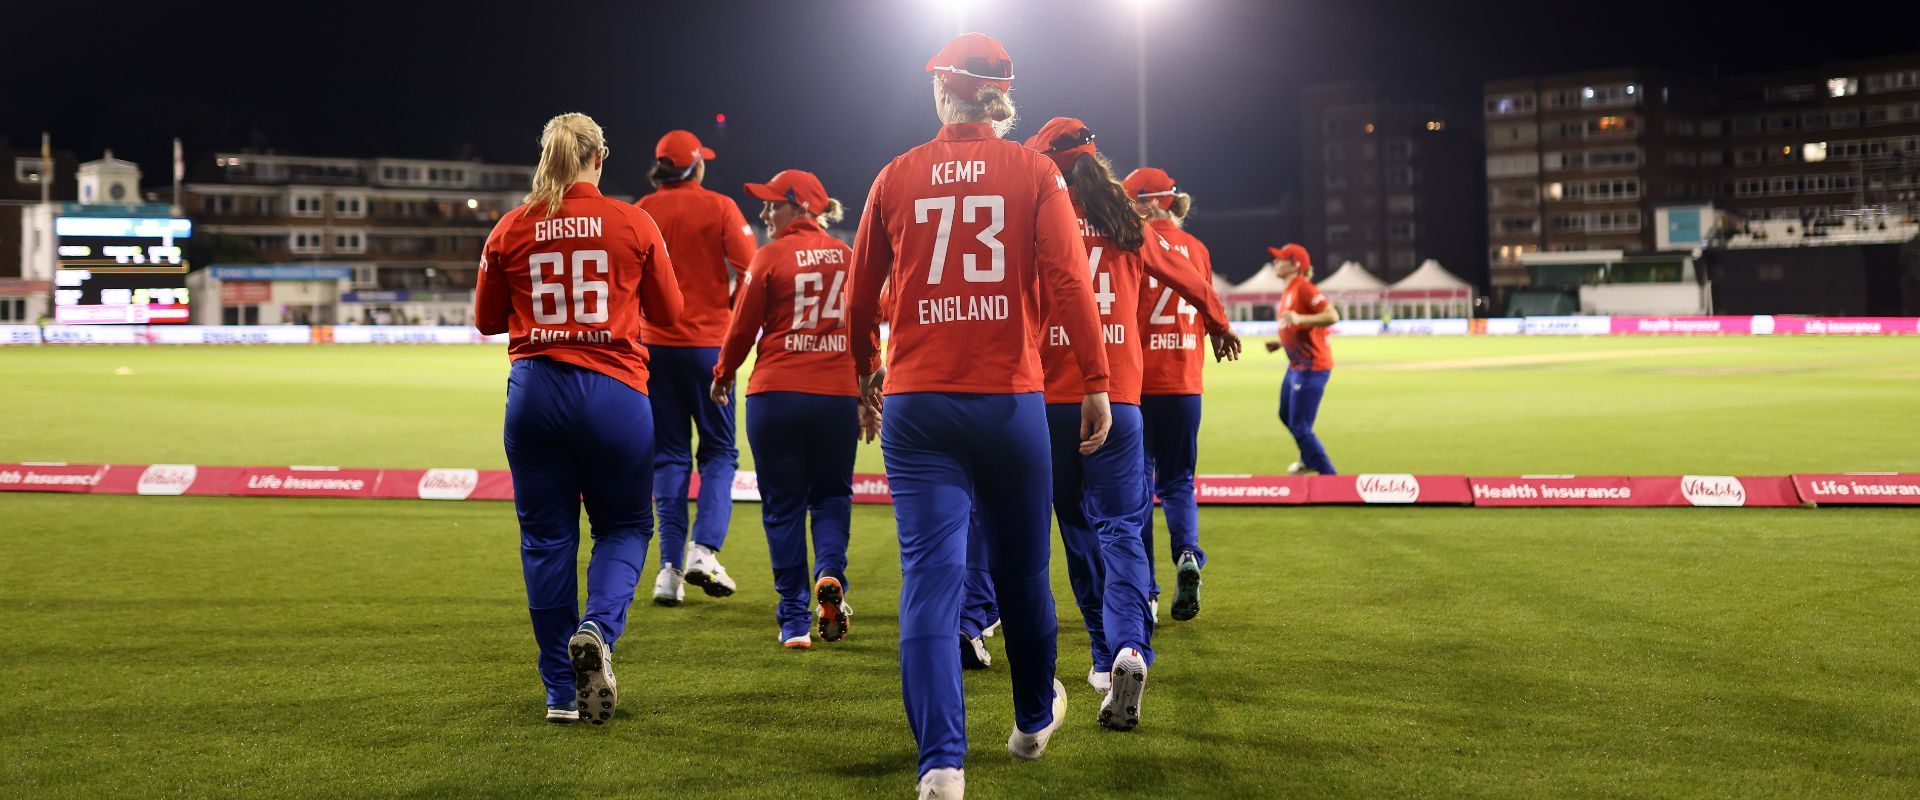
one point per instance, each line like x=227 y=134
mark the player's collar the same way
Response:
x=801 y=224
x=583 y=189
x=960 y=131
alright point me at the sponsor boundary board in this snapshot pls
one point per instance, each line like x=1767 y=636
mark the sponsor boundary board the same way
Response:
x=1761 y=325
x=1641 y=491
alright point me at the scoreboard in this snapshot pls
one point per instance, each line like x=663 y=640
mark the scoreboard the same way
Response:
x=128 y=270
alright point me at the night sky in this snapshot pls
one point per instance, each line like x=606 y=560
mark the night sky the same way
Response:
x=835 y=87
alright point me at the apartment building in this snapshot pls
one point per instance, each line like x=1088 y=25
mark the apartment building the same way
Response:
x=1389 y=183
x=410 y=230
x=1579 y=162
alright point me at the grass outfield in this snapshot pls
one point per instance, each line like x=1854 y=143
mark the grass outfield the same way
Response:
x=1481 y=405
x=317 y=648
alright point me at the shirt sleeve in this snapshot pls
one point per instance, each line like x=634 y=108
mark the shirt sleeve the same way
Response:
x=749 y=313
x=492 y=297
x=872 y=263
x=737 y=235
x=660 y=298
x=1185 y=278
x=1061 y=256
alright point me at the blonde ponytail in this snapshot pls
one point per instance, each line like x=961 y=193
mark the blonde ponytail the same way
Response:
x=988 y=104
x=833 y=214
x=1182 y=204
x=567 y=144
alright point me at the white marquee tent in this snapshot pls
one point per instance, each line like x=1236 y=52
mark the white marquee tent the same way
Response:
x=1430 y=292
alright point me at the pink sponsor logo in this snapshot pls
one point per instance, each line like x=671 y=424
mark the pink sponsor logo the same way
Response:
x=871 y=488
x=1860 y=488
x=1387 y=488
x=49 y=477
x=1713 y=490
x=166 y=479
x=448 y=484
x=746 y=486
x=1682 y=325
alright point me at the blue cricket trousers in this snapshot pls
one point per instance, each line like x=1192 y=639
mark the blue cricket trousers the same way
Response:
x=576 y=435
x=944 y=450
x=1102 y=503
x=1300 y=393
x=979 y=611
x=1172 y=423
x=803 y=448
x=678 y=385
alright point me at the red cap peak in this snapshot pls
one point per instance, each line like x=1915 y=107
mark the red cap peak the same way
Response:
x=794 y=186
x=971 y=61
x=1063 y=139
x=682 y=149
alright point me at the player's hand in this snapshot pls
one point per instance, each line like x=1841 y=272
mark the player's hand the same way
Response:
x=1273 y=345
x=1289 y=319
x=1226 y=346
x=870 y=386
x=719 y=392
x=1096 y=418
x=869 y=424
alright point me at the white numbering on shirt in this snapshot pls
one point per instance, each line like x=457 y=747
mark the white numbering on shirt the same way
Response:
x=1160 y=315
x=970 y=206
x=1102 y=282
x=807 y=308
x=548 y=272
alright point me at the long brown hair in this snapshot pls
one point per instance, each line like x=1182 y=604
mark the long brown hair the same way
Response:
x=1105 y=201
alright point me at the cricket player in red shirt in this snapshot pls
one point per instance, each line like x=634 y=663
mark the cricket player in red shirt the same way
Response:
x=803 y=407
x=974 y=232
x=709 y=240
x=1305 y=315
x=1101 y=498
x=1171 y=384
x=567 y=276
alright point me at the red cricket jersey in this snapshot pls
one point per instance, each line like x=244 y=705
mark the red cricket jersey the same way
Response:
x=972 y=231
x=1306 y=347
x=1116 y=276
x=573 y=286
x=704 y=231
x=1176 y=348
x=795 y=298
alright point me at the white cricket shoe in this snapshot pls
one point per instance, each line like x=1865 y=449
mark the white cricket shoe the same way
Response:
x=944 y=783
x=991 y=629
x=669 y=588
x=973 y=653
x=1297 y=468
x=1121 y=710
x=564 y=715
x=801 y=642
x=704 y=571
x=593 y=679
x=1100 y=681
x=1029 y=746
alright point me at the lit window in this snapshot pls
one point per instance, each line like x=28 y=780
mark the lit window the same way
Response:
x=1841 y=87
x=1814 y=151
x=1553 y=191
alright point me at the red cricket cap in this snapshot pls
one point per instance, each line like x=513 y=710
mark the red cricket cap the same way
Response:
x=682 y=149
x=1292 y=252
x=1151 y=185
x=1063 y=139
x=794 y=186
x=971 y=61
